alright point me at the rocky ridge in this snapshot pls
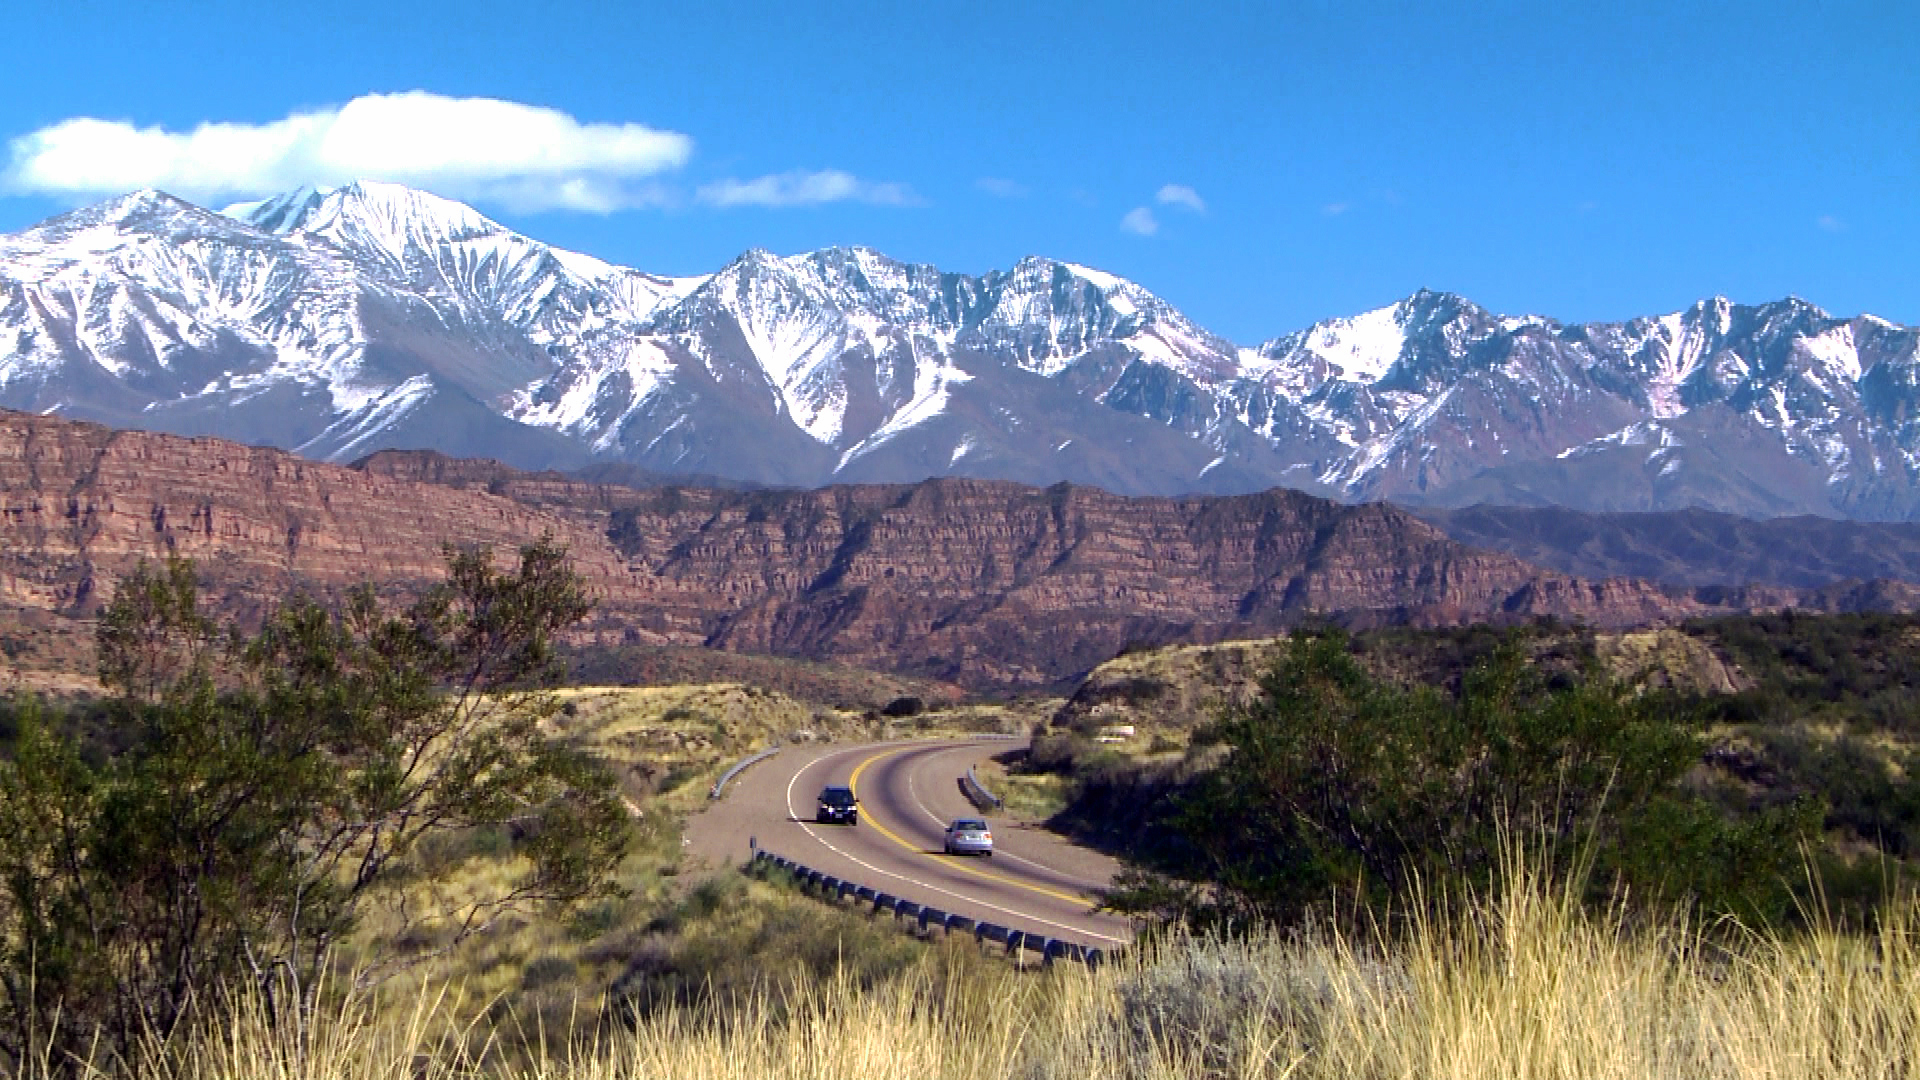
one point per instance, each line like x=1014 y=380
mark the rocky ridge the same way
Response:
x=982 y=582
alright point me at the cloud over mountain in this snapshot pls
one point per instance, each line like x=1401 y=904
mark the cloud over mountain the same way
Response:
x=526 y=156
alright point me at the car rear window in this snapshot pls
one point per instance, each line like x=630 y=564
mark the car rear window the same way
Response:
x=970 y=823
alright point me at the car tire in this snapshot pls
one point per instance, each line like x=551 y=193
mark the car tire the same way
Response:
x=853 y=819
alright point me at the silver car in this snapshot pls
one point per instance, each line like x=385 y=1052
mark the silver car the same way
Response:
x=969 y=836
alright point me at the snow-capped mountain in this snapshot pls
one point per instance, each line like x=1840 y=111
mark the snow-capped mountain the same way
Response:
x=864 y=367
x=340 y=322
x=1772 y=409
x=332 y=323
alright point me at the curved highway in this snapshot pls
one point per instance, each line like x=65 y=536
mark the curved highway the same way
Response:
x=908 y=791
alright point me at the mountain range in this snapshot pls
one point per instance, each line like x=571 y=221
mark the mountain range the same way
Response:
x=341 y=322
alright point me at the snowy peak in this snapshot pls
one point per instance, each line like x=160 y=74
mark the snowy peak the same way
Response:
x=280 y=214
x=847 y=280
x=384 y=220
x=147 y=241
x=141 y=215
x=1714 y=315
x=1050 y=314
x=145 y=207
x=1434 y=389
x=402 y=226
x=1363 y=349
x=1049 y=311
x=1360 y=349
x=820 y=330
x=1446 y=314
x=1092 y=301
x=437 y=247
x=856 y=347
x=372 y=208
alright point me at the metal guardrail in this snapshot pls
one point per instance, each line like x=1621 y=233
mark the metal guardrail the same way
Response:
x=978 y=794
x=1014 y=942
x=738 y=768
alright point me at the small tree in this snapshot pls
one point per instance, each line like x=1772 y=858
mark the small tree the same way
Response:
x=258 y=813
x=152 y=638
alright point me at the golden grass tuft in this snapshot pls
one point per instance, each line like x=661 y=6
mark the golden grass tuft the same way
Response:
x=1524 y=984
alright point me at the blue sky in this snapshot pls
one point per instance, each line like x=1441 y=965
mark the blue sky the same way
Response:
x=1259 y=165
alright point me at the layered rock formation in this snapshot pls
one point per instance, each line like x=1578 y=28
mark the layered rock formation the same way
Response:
x=983 y=582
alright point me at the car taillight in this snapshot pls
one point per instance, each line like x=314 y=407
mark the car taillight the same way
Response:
x=986 y=836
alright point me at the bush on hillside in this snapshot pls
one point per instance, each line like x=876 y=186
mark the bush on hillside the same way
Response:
x=1338 y=786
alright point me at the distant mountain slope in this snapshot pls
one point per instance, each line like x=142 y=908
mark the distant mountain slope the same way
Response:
x=978 y=582
x=1690 y=547
x=338 y=323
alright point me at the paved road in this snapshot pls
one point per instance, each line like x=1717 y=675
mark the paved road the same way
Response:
x=908 y=791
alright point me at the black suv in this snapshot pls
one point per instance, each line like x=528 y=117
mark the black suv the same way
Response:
x=837 y=806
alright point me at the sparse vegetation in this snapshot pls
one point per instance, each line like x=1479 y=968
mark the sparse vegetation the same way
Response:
x=1523 y=981
x=833 y=686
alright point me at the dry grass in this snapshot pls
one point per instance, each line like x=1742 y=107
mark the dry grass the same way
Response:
x=1169 y=690
x=1524 y=985
x=672 y=740
x=1668 y=657
x=1016 y=717
x=1029 y=796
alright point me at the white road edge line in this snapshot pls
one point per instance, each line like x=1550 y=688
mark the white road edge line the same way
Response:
x=858 y=861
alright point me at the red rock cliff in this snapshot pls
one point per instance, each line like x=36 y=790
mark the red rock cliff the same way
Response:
x=980 y=581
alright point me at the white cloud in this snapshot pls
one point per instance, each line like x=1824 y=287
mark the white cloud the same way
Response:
x=528 y=156
x=1181 y=195
x=1000 y=187
x=1335 y=209
x=802 y=188
x=1829 y=223
x=1140 y=221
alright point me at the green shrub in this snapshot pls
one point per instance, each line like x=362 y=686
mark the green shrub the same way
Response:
x=1336 y=783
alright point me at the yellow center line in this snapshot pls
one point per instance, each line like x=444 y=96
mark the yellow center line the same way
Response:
x=853 y=784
